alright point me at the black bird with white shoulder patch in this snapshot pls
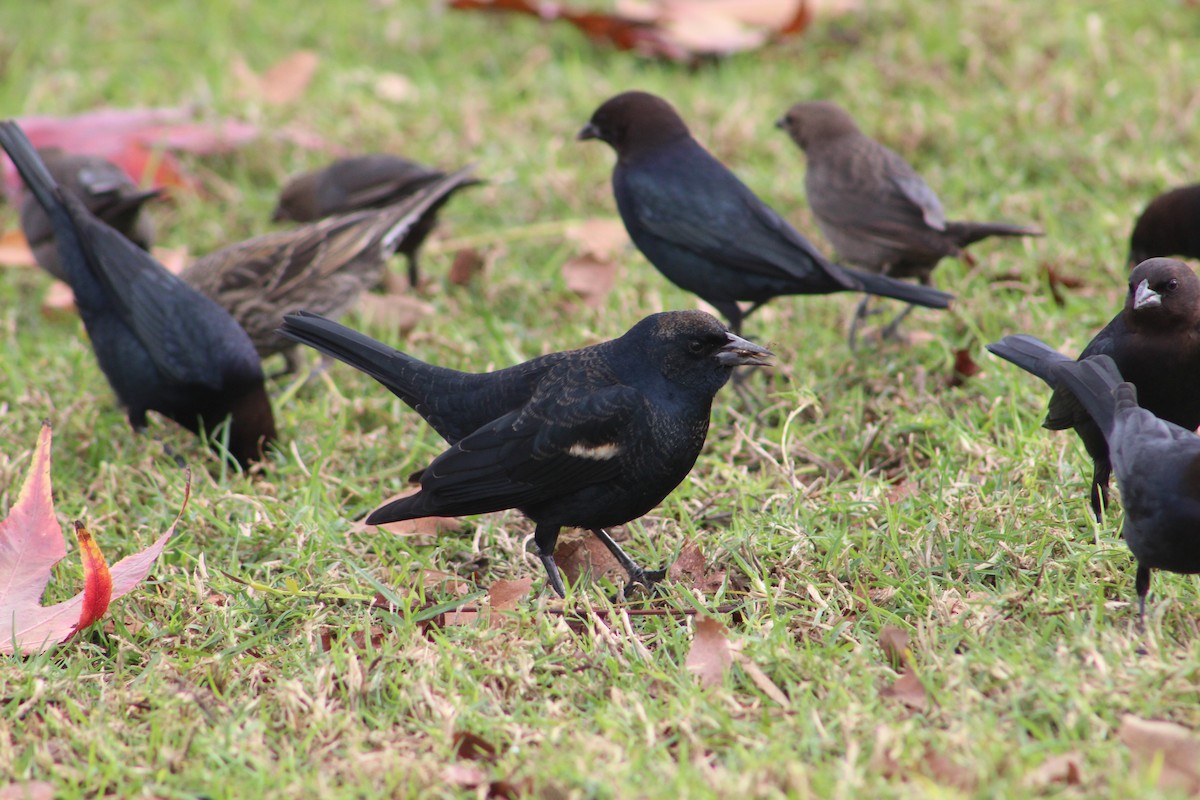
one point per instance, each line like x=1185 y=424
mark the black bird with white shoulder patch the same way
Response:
x=587 y=438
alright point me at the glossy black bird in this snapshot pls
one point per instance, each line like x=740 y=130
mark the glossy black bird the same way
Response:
x=360 y=182
x=586 y=438
x=1155 y=342
x=163 y=346
x=704 y=229
x=873 y=207
x=106 y=191
x=322 y=267
x=1157 y=464
x=1169 y=226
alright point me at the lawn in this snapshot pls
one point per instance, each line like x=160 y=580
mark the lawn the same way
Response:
x=848 y=493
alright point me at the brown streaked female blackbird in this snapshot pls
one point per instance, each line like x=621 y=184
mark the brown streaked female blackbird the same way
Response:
x=162 y=345
x=360 y=182
x=586 y=438
x=1155 y=342
x=321 y=267
x=704 y=229
x=873 y=207
x=1169 y=226
x=106 y=191
x=1157 y=464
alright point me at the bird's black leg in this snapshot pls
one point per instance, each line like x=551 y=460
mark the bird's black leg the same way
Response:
x=545 y=537
x=1100 y=477
x=414 y=271
x=646 y=578
x=1142 y=584
x=889 y=332
x=860 y=313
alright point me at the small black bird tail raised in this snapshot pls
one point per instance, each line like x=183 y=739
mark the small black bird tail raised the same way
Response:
x=1032 y=355
x=907 y=291
x=964 y=233
x=1097 y=384
x=349 y=346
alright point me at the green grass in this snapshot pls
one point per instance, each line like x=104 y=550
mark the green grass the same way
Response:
x=888 y=498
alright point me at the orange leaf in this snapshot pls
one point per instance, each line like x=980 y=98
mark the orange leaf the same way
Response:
x=97 y=580
x=284 y=82
x=14 y=250
x=710 y=656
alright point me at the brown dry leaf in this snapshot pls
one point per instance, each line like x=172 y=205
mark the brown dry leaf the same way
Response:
x=1063 y=769
x=467 y=775
x=504 y=595
x=14 y=250
x=909 y=690
x=946 y=772
x=591 y=278
x=1150 y=741
x=430 y=526
x=690 y=568
x=471 y=747
x=399 y=312
x=710 y=656
x=583 y=555
x=34 y=790
x=284 y=82
x=894 y=642
x=59 y=301
x=964 y=367
x=468 y=265
x=605 y=238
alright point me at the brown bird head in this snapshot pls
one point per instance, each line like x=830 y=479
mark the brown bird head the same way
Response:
x=816 y=122
x=1163 y=293
x=693 y=349
x=634 y=121
x=298 y=200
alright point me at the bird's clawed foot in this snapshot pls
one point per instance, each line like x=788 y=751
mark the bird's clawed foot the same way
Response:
x=646 y=578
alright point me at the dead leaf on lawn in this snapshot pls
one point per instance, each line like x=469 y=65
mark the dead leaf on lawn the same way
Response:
x=467 y=266
x=1177 y=749
x=395 y=88
x=592 y=272
x=908 y=688
x=894 y=643
x=964 y=367
x=583 y=556
x=710 y=655
x=1065 y=769
x=422 y=526
x=504 y=595
x=284 y=82
x=690 y=569
x=34 y=790
x=14 y=250
x=472 y=747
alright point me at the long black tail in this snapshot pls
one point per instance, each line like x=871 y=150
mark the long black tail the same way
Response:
x=1032 y=355
x=964 y=233
x=1094 y=381
x=907 y=291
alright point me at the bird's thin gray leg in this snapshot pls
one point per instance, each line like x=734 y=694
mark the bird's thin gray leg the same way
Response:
x=637 y=575
x=1142 y=584
x=860 y=313
x=552 y=574
x=545 y=537
x=893 y=326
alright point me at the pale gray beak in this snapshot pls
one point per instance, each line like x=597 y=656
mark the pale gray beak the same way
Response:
x=588 y=131
x=741 y=352
x=1145 y=297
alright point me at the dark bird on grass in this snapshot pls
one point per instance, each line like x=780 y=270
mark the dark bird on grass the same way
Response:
x=360 y=182
x=105 y=190
x=162 y=345
x=1157 y=464
x=586 y=438
x=1155 y=342
x=872 y=206
x=1170 y=226
x=322 y=266
x=704 y=229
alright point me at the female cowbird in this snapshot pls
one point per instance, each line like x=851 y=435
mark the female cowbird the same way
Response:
x=1155 y=342
x=162 y=345
x=105 y=190
x=704 y=229
x=587 y=438
x=322 y=267
x=1158 y=471
x=872 y=206
x=1170 y=226
x=360 y=182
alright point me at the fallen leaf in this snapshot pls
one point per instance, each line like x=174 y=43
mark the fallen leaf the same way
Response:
x=422 y=526
x=582 y=555
x=909 y=690
x=284 y=82
x=59 y=301
x=1065 y=769
x=710 y=655
x=604 y=238
x=690 y=569
x=468 y=265
x=947 y=772
x=396 y=312
x=591 y=278
x=395 y=88
x=504 y=595
x=1152 y=742
x=471 y=747
x=894 y=642
x=34 y=790
x=467 y=775
x=14 y=250
x=964 y=367
x=31 y=543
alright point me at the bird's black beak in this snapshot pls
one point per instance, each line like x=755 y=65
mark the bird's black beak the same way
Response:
x=781 y=123
x=588 y=131
x=739 y=352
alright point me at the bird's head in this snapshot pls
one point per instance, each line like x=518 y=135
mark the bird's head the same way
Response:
x=633 y=121
x=814 y=122
x=693 y=349
x=1163 y=291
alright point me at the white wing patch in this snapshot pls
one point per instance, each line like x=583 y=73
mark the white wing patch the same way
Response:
x=599 y=452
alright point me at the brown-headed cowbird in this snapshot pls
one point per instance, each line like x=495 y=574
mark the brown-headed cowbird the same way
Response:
x=1170 y=226
x=162 y=345
x=704 y=229
x=1155 y=342
x=105 y=190
x=587 y=438
x=321 y=267
x=1157 y=464
x=872 y=206
x=360 y=182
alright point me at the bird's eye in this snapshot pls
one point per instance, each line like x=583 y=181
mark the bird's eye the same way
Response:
x=1172 y=284
x=696 y=347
